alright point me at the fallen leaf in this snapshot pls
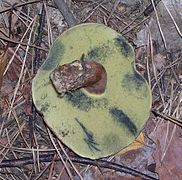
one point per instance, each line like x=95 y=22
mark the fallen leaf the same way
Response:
x=168 y=160
x=138 y=143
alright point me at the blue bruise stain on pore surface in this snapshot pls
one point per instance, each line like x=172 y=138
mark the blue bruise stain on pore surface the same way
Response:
x=54 y=57
x=131 y=81
x=79 y=100
x=135 y=82
x=123 y=119
x=125 y=48
x=100 y=53
x=89 y=137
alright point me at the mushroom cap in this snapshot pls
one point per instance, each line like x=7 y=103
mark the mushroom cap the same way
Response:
x=94 y=126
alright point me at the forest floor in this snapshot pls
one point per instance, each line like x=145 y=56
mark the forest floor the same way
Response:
x=28 y=150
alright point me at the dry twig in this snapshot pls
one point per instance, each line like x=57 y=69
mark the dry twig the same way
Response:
x=19 y=5
x=99 y=163
x=66 y=12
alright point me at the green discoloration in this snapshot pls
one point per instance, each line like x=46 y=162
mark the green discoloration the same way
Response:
x=89 y=137
x=64 y=133
x=44 y=96
x=125 y=48
x=79 y=100
x=136 y=85
x=133 y=81
x=113 y=139
x=45 y=107
x=104 y=103
x=54 y=58
x=123 y=119
x=100 y=53
x=83 y=102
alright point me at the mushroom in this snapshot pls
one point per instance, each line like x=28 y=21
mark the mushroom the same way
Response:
x=98 y=104
x=88 y=74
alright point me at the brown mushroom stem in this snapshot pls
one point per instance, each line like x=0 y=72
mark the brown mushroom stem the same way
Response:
x=87 y=74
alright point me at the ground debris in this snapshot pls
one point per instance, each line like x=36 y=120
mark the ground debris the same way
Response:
x=161 y=66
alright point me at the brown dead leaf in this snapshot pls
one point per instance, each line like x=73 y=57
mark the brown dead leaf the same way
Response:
x=138 y=143
x=137 y=155
x=168 y=165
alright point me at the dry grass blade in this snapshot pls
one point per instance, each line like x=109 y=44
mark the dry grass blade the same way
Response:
x=50 y=36
x=14 y=136
x=62 y=148
x=43 y=171
x=169 y=118
x=141 y=22
x=154 y=68
x=158 y=23
x=147 y=61
x=22 y=70
x=166 y=143
x=93 y=11
x=161 y=73
x=5 y=39
x=19 y=5
x=14 y=54
x=166 y=147
x=62 y=160
x=175 y=24
x=116 y=3
x=52 y=167
x=19 y=127
x=48 y=158
x=3 y=62
x=128 y=25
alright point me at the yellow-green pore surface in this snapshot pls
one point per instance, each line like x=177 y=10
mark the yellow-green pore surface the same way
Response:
x=94 y=126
